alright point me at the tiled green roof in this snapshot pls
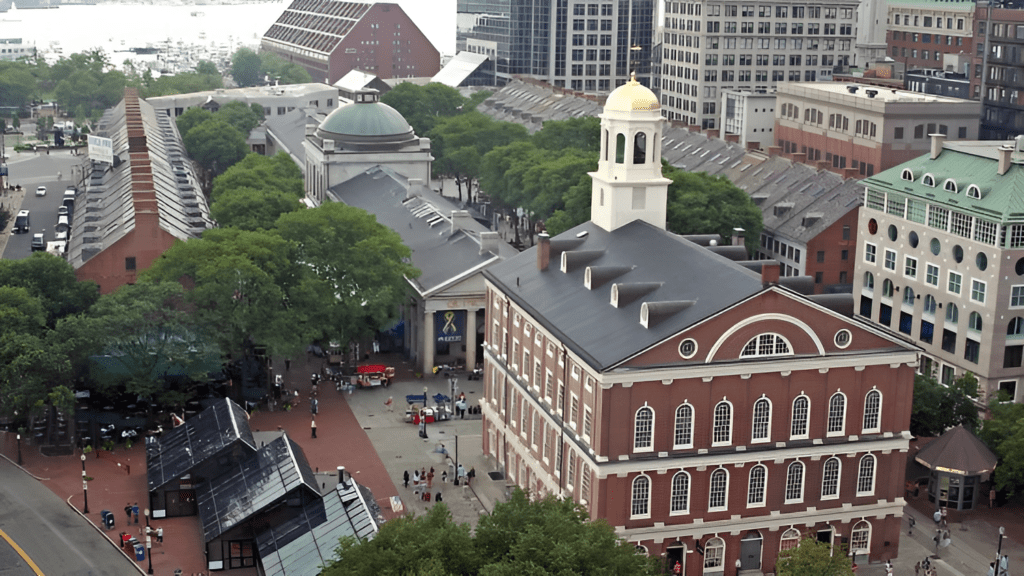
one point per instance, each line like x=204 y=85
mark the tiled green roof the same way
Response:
x=1002 y=196
x=935 y=5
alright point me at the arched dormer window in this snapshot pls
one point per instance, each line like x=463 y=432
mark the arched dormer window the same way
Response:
x=928 y=180
x=907 y=175
x=640 y=148
x=766 y=345
x=950 y=186
x=973 y=191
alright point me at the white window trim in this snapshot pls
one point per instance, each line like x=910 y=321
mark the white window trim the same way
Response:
x=516 y=318
x=874 y=476
x=828 y=415
x=575 y=372
x=938 y=274
x=807 y=425
x=533 y=426
x=588 y=383
x=803 y=482
x=764 y=491
x=650 y=447
x=693 y=417
x=732 y=417
x=984 y=287
x=839 y=478
x=524 y=371
x=1010 y=301
x=650 y=489
x=949 y=277
x=881 y=400
x=587 y=411
x=527 y=330
x=867 y=550
x=573 y=399
x=727 y=480
x=866 y=261
x=895 y=260
x=907 y=259
x=549 y=377
x=559 y=386
x=551 y=350
x=753 y=422
x=689 y=494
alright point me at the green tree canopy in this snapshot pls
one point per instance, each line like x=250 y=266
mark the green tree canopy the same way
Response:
x=180 y=83
x=583 y=134
x=215 y=145
x=252 y=208
x=191 y=118
x=703 y=204
x=273 y=173
x=52 y=281
x=207 y=68
x=1003 y=432
x=240 y=115
x=281 y=71
x=813 y=558
x=938 y=408
x=245 y=67
x=17 y=84
x=424 y=106
x=546 y=537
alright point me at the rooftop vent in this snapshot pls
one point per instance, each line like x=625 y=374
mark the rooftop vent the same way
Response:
x=852 y=89
x=871 y=93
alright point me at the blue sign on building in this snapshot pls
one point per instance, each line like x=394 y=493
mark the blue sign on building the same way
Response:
x=450 y=325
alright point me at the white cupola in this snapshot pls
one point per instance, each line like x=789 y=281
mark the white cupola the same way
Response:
x=628 y=184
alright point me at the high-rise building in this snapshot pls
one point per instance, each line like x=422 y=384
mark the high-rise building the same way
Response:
x=996 y=79
x=588 y=46
x=930 y=34
x=720 y=45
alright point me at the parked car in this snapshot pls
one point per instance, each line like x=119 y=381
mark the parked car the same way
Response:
x=21 y=223
x=41 y=191
x=62 y=224
x=38 y=243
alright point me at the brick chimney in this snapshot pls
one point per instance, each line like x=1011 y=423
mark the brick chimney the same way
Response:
x=1005 y=158
x=543 y=251
x=733 y=138
x=751 y=145
x=769 y=273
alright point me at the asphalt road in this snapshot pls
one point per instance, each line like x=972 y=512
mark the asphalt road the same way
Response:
x=31 y=170
x=58 y=540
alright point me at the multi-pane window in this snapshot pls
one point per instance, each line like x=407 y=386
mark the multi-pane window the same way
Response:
x=766 y=345
x=722 y=426
x=680 y=501
x=866 y=476
x=795 y=482
x=955 y=282
x=574 y=411
x=683 y=437
x=938 y=218
x=584 y=481
x=714 y=555
x=762 y=420
x=1017 y=296
x=890 y=259
x=931 y=275
x=718 y=489
x=830 y=478
x=837 y=413
x=872 y=411
x=756 y=486
x=790 y=539
x=801 y=411
x=587 y=422
x=570 y=474
x=978 y=291
x=910 y=267
x=870 y=253
x=960 y=224
x=641 y=501
x=860 y=538
x=643 y=429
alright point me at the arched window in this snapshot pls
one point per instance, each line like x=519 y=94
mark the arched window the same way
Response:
x=683 y=437
x=929 y=304
x=790 y=539
x=606 y=143
x=620 y=149
x=718 y=490
x=756 y=486
x=795 y=482
x=973 y=191
x=640 y=148
x=643 y=430
x=714 y=555
x=801 y=414
x=887 y=288
x=1015 y=329
x=908 y=296
x=950 y=186
x=860 y=538
x=641 y=503
x=866 y=476
x=830 y=478
x=872 y=411
x=952 y=313
x=974 y=321
x=869 y=281
x=722 y=426
x=928 y=180
x=836 y=414
x=766 y=345
x=762 y=420
x=680 y=493
x=907 y=175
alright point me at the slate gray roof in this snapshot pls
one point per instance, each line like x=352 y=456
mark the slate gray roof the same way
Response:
x=587 y=323
x=105 y=213
x=441 y=251
x=289 y=131
x=252 y=485
x=778 y=181
x=204 y=435
x=300 y=546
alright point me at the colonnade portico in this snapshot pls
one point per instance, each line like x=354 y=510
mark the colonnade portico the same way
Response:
x=467 y=332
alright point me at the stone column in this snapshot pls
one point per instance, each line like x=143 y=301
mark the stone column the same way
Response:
x=427 y=361
x=470 y=339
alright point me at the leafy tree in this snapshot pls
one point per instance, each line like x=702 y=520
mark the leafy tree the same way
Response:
x=17 y=84
x=181 y=83
x=191 y=118
x=215 y=145
x=576 y=133
x=459 y=143
x=275 y=173
x=357 y=269
x=20 y=311
x=813 y=558
x=703 y=204
x=207 y=68
x=536 y=538
x=241 y=116
x=52 y=281
x=252 y=208
x=1003 y=432
x=29 y=368
x=938 y=407
x=424 y=106
x=245 y=67
x=280 y=70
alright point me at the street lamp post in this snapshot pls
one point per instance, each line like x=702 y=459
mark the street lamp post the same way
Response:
x=999 y=547
x=19 y=449
x=146 y=512
x=85 y=485
x=149 y=553
x=739 y=565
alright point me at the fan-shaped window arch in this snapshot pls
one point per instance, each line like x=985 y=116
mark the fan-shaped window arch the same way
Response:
x=768 y=344
x=801 y=415
x=872 y=411
x=714 y=555
x=836 y=414
x=795 y=482
x=907 y=175
x=950 y=186
x=1015 y=328
x=830 y=478
x=641 y=497
x=721 y=429
x=973 y=191
x=683 y=436
x=860 y=538
x=790 y=539
x=928 y=180
x=643 y=429
x=756 y=486
x=680 y=501
x=762 y=420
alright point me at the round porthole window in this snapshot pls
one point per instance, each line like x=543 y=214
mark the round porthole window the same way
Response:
x=958 y=253
x=872 y=227
x=935 y=246
x=688 y=348
x=913 y=239
x=981 y=261
x=892 y=232
x=843 y=338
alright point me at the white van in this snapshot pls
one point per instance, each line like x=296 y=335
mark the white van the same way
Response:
x=21 y=223
x=62 y=223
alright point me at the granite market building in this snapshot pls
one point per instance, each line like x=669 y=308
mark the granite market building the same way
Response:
x=706 y=410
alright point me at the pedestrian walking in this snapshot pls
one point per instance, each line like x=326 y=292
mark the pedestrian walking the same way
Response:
x=314 y=406
x=437 y=498
x=430 y=478
x=160 y=534
x=917 y=569
x=128 y=511
x=390 y=404
x=444 y=477
x=470 y=475
x=405 y=479
x=888 y=568
x=312 y=426
x=992 y=498
x=460 y=474
x=415 y=478
x=945 y=522
x=135 y=512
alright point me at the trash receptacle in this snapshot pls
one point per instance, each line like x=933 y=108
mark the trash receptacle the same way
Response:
x=108 y=519
x=140 y=552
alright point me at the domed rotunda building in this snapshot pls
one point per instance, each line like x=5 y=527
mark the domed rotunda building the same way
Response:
x=358 y=136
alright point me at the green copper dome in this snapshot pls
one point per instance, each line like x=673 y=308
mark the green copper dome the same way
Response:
x=366 y=118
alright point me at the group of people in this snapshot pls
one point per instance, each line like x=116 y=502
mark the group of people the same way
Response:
x=925 y=566
x=423 y=481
